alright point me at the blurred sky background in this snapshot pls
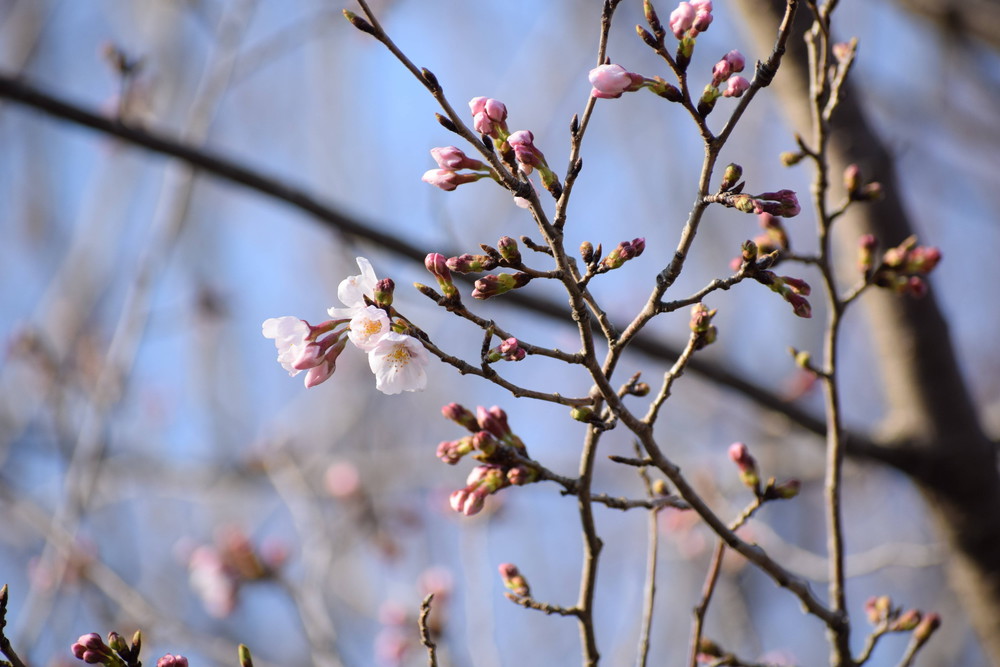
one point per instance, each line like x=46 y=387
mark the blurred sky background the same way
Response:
x=192 y=426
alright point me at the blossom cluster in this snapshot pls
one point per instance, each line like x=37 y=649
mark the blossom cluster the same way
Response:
x=902 y=268
x=489 y=118
x=502 y=453
x=397 y=359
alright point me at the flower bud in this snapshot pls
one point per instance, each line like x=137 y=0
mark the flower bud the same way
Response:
x=786 y=490
x=681 y=19
x=461 y=416
x=731 y=176
x=448 y=180
x=749 y=475
x=436 y=264
x=452 y=451
x=511 y=350
x=852 y=180
x=172 y=661
x=450 y=157
x=489 y=117
x=521 y=475
x=866 y=252
x=639 y=389
x=485 y=442
x=581 y=413
x=611 y=81
x=587 y=252
x=788 y=158
x=246 y=660
x=513 y=580
x=383 y=292
x=906 y=621
x=926 y=627
x=509 y=250
x=471 y=263
x=800 y=305
x=748 y=252
x=117 y=643
x=736 y=85
x=493 y=420
x=665 y=90
x=490 y=286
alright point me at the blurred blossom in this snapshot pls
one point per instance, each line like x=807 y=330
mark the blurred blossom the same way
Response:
x=342 y=480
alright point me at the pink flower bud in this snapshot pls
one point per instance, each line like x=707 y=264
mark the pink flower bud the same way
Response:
x=508 y=250
x=435 y=263
x=513 y=580
x=610 y=81
x=701 y=5
x=736 y=85
x=800 y=304
x=866 y=252
x=450 y=157
x=490 y=286
x=172 y=661
x=681 y=19
x=736 y=60
x=740 y=455
x=461 y=416
x=489 y=116
x=926 y=627
x=471 y=263
x=525 y=151
x=448 y=180
x=701 y=21
x=797 y=285
x=512 y=350
x=493 y=420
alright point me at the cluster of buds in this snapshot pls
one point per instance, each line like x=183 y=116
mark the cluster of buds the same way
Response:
x=702 y=329
x=690 y=19
x=888 y=618
x=450 y=160
x=529 y=158
x=902 y=268
x=773 y=239
x=506 y=254
x=508 y=350
x=857 y=190
x=493 y=444
x=739 y=454
x=216 y=571
x=622 y=253
x=489 y=118
x=514 y=581
x=304 y=347
x=783 y=203
x=724 y=72
x=792 y=290
x=117 y=652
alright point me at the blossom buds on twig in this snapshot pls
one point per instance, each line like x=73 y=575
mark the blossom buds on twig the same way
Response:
x=623 y=252
x=461 y=416
x=471 y=263
x=513 y=580
x=437 y=264
x=509 y=251
x=749 y=475
x=701 y=325
x=494 y=285
x=508 y=350
x=489 y=117
x=731 y=176
x=172 y=661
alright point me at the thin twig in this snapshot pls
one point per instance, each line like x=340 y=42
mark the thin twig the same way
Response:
x=425 y=633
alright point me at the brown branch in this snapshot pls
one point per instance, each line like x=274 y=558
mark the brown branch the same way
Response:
x=222 y=167
x=425 y=633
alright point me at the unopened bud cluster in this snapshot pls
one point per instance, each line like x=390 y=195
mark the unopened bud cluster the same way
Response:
x=857 y=189
x=902 y=268
x=886 y=617
x=499 y=450
x=117 y=652
x=724 y=72
x=506 y=254
x=792 y=290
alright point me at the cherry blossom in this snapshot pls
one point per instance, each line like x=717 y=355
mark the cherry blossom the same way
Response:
x=398 y=362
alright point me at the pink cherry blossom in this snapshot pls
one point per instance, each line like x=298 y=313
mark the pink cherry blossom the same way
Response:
x=736 y=86
x=681 y=19
x=610 y=81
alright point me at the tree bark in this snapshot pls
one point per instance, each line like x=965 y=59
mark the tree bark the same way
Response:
x=931 y=416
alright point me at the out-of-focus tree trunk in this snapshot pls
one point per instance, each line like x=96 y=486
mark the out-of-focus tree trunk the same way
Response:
x=931 y=414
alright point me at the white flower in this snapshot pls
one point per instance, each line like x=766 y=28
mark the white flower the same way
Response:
x=290 y=336
x=353 y=289
x=398 y=363
x=368 y=326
